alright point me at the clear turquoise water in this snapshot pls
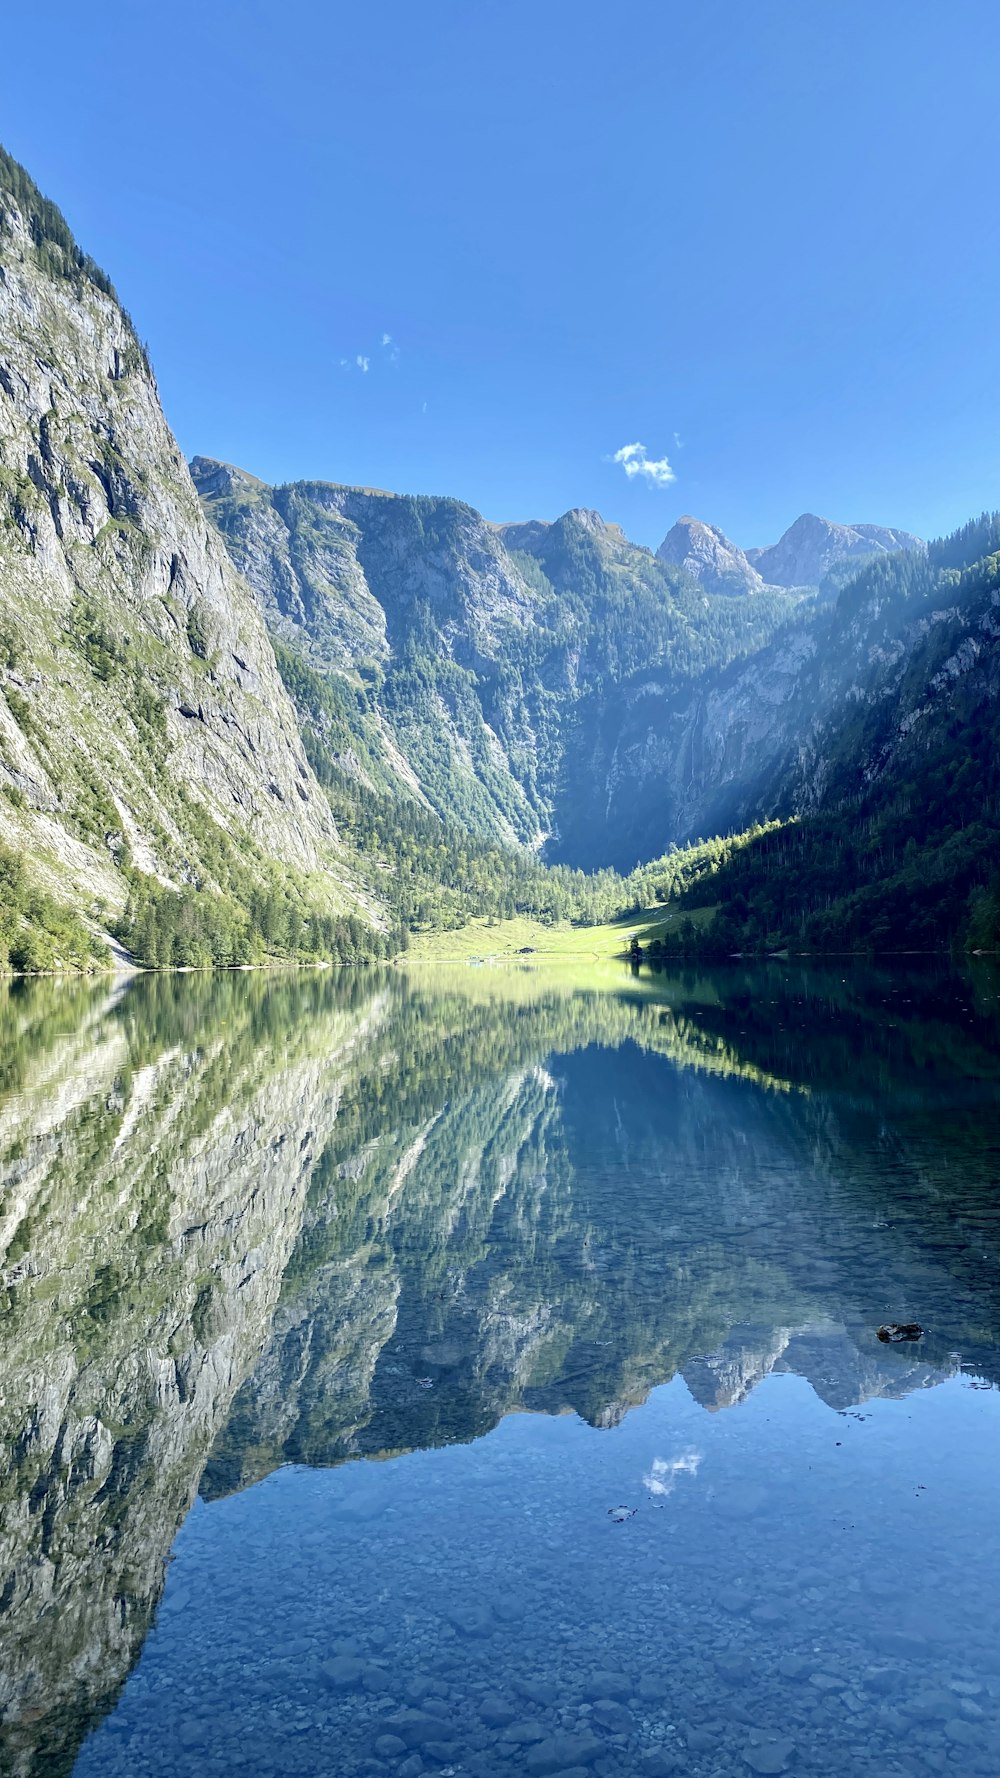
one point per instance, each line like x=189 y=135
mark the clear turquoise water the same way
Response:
x=408 y=1378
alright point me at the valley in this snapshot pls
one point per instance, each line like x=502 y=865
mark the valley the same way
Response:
x=243 y=723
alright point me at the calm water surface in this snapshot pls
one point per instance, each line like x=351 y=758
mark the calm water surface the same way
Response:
x=478 y=1374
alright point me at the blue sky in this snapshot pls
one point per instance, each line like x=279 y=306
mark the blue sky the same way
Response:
x=479 y=247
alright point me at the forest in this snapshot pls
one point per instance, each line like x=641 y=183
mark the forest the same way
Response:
x=904 y=853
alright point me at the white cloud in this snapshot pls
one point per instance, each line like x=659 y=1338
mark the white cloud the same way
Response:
x=387 y=339
x=635 y=460
x=664 y=1471
x=362 y=362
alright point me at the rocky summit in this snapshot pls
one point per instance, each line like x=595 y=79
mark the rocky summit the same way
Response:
x=707 y=553
x=807 y=551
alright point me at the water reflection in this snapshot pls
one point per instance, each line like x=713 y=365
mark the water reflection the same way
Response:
x=253 y=1222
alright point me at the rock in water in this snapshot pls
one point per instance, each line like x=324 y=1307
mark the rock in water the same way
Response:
x=892 y=1332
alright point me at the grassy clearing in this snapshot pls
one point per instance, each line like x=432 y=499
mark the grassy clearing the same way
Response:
x=494 y=940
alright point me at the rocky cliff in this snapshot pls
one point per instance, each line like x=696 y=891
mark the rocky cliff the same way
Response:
x=550 y=686
x=142 y=718
x=802 y=559
x=807 y=551
x=706 y=552
x=415 y=614
x=842 y=688
x=470 y=662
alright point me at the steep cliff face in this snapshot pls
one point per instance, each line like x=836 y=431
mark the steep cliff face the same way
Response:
x=153 y=1173
x=415 y=613
x=141 y=712
x=912 y=661
x=812 y=716
x=801 y=560
x=553 y=682
x=540 y=684
x=471 y=663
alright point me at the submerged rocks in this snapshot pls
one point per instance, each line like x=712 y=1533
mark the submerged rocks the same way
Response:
x=390 y=1746
x=892 y=1333
x=768 y=1757
x=415 y=1728
x=557 y=1752
x=659 y=1764
x=605 y=1684
x=472 y=1620
x=495 y=1712
x=525 y=1734
x=612 y=1717
x=350 y=1673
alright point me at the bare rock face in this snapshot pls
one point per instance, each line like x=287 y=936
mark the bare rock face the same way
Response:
x=708 y=554
x=362 y=584
x=140 y=705
x=812 y=546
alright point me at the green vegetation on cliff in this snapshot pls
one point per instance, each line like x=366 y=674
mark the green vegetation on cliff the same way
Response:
x=903 y=851
x=36 y=931
x=152 y=778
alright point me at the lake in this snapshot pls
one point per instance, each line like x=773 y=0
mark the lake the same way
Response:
x=476 y=1372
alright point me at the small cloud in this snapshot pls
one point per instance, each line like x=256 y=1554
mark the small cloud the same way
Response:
x=362 y=362
x=390 y=348
x=664 y=1471
x=678 y=442
x=423 y=407
x=635 y=460
x=387 y=339
x=344 y=362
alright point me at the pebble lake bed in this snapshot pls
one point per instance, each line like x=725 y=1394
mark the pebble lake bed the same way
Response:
x=476 y=1610
x=486 y=1380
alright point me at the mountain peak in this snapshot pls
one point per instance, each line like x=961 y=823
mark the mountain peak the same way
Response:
x=707 y=553
x=524 y=534
x=213 y=478
x=812 y=545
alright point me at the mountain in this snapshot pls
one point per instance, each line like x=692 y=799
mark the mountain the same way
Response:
x=802 y=558
x=889 y=750
x=845 y=694
x=706 y=552
x=411 y=609
x=807 y=551
x=466 y=662
x=239 y=721
x=146 y=738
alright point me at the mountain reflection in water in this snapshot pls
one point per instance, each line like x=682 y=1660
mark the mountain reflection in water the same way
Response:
x=249 y=1222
